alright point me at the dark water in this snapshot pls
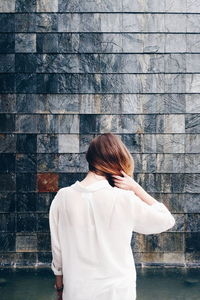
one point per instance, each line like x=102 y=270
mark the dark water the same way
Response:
x=152 y=284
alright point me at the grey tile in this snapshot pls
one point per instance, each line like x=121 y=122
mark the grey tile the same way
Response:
x=25 y=42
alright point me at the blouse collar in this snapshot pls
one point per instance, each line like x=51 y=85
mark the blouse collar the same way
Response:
x=95 y=186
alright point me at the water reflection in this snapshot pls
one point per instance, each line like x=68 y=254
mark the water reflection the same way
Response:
x=159 y=284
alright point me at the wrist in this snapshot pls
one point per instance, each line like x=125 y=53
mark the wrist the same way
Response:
x=59 y=288
x=135 y=187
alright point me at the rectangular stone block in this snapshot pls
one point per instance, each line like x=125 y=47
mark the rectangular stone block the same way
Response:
x=7 y=123
x=175 y=63
x=193 y=6
x=43 y=201
x=180 y=223
x=175 y=83
x=90 y=6
x=192 y=222
x=7 y=222
x=193 y=23
x=170 y=163
x=143 y=23
x=193 y=83
x=25 y=259
x=133 y=142
x=58 y=63
x=192 y=124
x=68 y=123
x=7 y=6
x=192 y=142
x=7 y=143
x=47 y=6
x=68 y=143
x=7 y=203
x=25 y=42
x=173 y=241
x=43 y=242
x=43 y=222
x=26 y=222
x=191 y=203
x=192 y=163
x=152 y=257
x=7 y=63
x=145 y=163
x=25 y=23
x=26 y=243
x=26 y=123
x=151 y=43
x=62 y=104
x=7 y=22
x=47 y=22
x=26 y=182
x=193 y=43
x=174 y=123
x=25 y=6
x=8 y=103
x=25 y=63
x=47 y=143
x=175 y=22
x=192 y=242
x=192 y=258
x=26 y=163
x=192 y=183
x=26 y=103
x=176 y=42
x=143 y=6
x=175 y=6
x=7 y=162
x=7 y=83
x=26 y=202
x=48 y=42
x=7 y=242
x=46 y=83
x=47 y=123
x=26 y=143
x=130 y=42
x=174 y=258
x=192 y=103
x=47 y=162
x=7 y=43
x=84 y=140
x=25 y=83
x=69 y=163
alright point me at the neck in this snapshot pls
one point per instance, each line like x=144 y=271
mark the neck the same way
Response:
x=93 y=175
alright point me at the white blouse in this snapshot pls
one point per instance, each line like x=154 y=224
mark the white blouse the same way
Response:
x=91 y=229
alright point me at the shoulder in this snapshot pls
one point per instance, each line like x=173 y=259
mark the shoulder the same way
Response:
x=59 y=195
x=124 y=194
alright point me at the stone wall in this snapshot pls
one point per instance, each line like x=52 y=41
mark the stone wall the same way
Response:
x=73 y=69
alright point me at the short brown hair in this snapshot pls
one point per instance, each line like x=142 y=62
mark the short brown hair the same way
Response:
x=107 y=155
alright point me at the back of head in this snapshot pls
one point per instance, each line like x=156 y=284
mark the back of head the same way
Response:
x=107 y=155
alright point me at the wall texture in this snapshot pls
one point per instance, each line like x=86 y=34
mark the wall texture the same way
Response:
x=73 y=69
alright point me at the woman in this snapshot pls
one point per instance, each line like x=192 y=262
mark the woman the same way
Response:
x=91 y=224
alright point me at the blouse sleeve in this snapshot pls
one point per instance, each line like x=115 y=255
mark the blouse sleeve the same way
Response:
x=149 y=219
x=56 y=264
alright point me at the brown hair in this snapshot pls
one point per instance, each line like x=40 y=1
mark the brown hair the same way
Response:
x=107 y=155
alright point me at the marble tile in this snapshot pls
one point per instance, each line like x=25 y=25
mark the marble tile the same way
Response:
x=25 y=42
x=68 y=143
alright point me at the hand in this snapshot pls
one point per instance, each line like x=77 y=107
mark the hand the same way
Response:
x=126 y=182
x=59 y=296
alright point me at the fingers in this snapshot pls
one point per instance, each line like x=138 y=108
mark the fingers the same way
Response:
x=118 y=177
x=125 y=175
